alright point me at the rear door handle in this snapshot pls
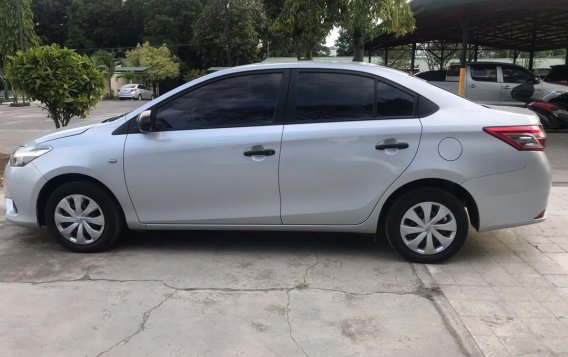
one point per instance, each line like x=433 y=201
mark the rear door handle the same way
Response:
x=507 y=87
x=264 y=152
x=392 y=146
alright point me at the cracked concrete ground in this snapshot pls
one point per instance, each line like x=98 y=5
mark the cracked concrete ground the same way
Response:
x=219 y=294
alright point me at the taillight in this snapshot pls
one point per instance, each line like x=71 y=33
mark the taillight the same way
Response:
x=544 y=105
x=522 y=138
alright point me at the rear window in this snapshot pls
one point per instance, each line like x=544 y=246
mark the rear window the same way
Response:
x=484 y=73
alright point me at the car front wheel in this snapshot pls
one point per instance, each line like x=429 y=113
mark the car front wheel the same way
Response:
x=83 y=217
x=427 y=225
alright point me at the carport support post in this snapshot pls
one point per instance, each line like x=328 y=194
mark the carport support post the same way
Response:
x=465 y=34
x=386 y=56
x=566 y=59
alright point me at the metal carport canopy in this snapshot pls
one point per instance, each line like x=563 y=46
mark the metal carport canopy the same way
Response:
x=522 y=25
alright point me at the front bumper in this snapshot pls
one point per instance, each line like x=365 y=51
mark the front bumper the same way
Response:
x=22 y=186
x=514 y=198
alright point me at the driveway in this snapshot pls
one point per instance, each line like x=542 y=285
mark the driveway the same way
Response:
x=283 y=294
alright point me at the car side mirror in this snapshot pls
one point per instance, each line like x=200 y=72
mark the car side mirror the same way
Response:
x=144 y=121
x=536 y=80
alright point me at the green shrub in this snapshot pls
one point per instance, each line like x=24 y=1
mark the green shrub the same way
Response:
x=66 y=83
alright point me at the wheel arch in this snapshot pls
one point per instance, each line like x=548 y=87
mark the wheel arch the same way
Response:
x=57 y=181
x=461 y=193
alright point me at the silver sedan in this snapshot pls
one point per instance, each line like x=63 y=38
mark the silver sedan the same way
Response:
x=294 y=147
x=135 y=91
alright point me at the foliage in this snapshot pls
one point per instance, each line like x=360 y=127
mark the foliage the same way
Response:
x=105 y=24
x=194 y=74
x=344 y=42
x=306 y=22
x=10 y=39
x=227 y=32
x=162 y=64
x=362 y=17
x=51 y=20
x=106 y=61
x=66 y=83
x=170 y=22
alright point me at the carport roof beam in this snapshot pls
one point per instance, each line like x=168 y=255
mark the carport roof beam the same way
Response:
x=503 y=24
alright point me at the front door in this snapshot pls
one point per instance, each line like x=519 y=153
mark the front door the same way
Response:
x=482 y=85
x=212 y=156
x=343 y=146
x=514 y=76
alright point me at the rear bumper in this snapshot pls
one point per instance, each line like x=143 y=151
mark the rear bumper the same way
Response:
x=21 y=190
x=513 y=198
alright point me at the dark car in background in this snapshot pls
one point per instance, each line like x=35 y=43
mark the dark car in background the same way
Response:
x=558 y=74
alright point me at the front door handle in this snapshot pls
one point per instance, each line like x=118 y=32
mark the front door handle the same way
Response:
x=507 y=87
x=263 y=152
x=392 y=146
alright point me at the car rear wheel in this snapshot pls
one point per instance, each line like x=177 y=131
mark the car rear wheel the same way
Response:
x=83 y=217
x=427 y=225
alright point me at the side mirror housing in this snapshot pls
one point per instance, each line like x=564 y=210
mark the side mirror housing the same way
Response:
x=536 y=80
x=144 y=121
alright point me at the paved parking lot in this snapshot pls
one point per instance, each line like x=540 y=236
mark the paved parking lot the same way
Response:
x=285 y=294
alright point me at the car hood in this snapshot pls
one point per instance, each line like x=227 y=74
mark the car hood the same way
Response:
x=58 y=134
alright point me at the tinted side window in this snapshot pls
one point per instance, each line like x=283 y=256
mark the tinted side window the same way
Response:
x=453 y=71
x=484 y=73
x=322 y=97
x=516 y=75
x=393 y=102
x=237 y=101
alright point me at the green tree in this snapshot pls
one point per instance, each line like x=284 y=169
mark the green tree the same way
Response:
x=16 y=14
x=105 y=24
x=51 y=19
x=227 y=33
x=66 y=83
x=162 y=64
x=307 y=22
x=344 y=42
x=105 y=60
x=361 y=18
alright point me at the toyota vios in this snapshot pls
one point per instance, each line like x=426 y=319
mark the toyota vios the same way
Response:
x=295 y=147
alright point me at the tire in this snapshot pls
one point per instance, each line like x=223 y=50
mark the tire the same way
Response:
x=93 y=232
x=139 y=96
x=422 y=243
x=152 y=97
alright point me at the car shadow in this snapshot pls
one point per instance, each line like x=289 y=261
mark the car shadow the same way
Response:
x=257 y=242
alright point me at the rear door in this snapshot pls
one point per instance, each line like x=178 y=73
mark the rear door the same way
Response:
x=339 y=152
x=482 y=84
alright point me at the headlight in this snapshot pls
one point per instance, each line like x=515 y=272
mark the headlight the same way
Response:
x=23 y=155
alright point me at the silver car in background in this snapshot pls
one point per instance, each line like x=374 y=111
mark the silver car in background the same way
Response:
x=296 y=147
x=135 y=91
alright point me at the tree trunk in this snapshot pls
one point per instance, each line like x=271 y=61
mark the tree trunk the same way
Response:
x=297 y=51
x=229 y=59
x=109 y=87
x=358 y=46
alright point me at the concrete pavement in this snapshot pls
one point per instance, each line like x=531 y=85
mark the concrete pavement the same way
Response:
x=18 y=124
x=220 y=294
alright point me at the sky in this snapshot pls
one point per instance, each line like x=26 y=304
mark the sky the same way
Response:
x=331 y=37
